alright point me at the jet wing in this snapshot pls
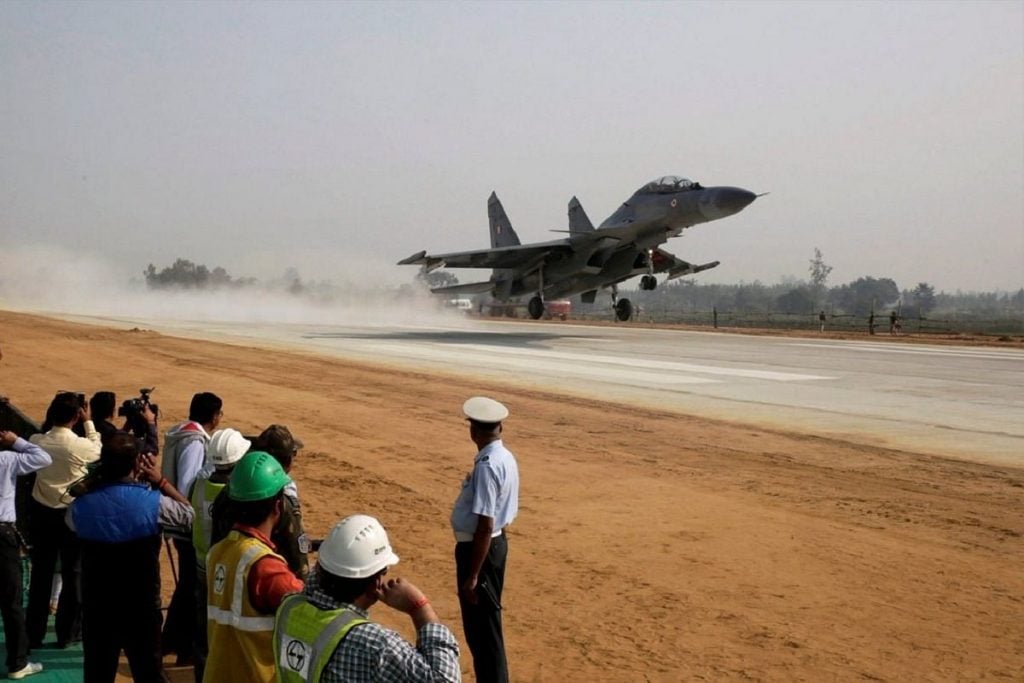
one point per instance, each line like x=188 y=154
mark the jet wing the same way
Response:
x=519 y=256
x=665 y=262
x=467 y=288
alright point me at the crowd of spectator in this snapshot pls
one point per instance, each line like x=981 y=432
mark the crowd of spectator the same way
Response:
x=246 y=606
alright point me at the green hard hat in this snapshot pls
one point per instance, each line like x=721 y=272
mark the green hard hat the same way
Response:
x=257 y=476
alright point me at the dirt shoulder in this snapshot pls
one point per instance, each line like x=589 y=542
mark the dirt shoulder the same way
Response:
x=650 y=545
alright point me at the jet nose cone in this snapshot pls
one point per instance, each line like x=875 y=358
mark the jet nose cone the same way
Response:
x=720 y=202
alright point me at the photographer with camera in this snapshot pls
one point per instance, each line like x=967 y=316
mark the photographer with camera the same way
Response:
x=50 y=536
x=140 y=418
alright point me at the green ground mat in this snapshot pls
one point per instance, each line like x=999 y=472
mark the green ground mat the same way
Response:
x=59 y=666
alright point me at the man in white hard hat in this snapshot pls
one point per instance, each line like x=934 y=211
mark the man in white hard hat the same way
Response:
x=488 y=503
x=324 y=634
x=226 y=448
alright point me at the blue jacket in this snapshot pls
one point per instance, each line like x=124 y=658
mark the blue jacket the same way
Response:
x=117 y=513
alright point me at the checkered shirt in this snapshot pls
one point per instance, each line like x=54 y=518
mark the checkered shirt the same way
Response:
x=371 y=652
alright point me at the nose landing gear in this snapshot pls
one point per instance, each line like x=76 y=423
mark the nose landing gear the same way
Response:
x=535 y=307
x=623 y=307
x=624 y=310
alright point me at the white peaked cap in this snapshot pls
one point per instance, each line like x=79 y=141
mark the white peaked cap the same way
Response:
x=483 y=409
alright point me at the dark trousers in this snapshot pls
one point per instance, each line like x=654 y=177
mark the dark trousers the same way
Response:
x=179 y=629
x=482 y=622
x=10 y=597
x=202 y=644
x=121 y=610
x=51 y=538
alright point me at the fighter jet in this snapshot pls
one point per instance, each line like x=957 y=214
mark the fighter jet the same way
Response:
x=625 y=245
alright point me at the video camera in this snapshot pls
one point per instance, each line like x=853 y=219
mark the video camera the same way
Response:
x=131 y=410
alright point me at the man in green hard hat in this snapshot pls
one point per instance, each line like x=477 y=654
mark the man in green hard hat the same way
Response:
x=246 y=579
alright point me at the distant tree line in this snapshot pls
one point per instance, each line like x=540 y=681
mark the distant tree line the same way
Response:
x=858 y=298
x=791 y=296
x=186 y=275
x=183 y=274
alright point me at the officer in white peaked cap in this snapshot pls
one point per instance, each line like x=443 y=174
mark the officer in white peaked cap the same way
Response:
x=486 y=505
x=485 y=410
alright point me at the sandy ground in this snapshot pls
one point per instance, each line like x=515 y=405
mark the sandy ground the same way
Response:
x=650 y=546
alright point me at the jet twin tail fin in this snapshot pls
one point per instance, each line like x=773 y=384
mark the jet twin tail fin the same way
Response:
x=578 y=219
x=502 y=234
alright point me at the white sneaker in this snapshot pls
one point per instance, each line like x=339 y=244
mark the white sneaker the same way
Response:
x=27 y=670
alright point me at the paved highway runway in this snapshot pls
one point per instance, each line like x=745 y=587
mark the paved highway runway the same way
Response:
x=966 y=402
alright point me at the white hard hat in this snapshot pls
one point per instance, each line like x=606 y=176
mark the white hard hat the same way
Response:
x=483 y=409
x=227 y=446
x=356 y=548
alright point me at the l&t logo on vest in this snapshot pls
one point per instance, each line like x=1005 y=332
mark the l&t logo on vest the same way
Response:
x=220 y=575
x=296 y=657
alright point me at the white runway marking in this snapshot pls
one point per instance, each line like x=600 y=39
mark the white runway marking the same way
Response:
x=956 y=352
x=645 y=371
x=539 y=363
x=670 y=366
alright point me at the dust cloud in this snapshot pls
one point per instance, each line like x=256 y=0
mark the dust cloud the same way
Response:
x=56 y=281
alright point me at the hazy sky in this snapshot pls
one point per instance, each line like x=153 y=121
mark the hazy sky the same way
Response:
x=341 y=137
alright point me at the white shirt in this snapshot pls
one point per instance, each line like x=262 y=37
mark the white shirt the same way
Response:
x=71 y=453
x=491 y=490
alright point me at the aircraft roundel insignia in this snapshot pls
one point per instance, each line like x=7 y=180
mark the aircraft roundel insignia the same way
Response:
x=673 y=203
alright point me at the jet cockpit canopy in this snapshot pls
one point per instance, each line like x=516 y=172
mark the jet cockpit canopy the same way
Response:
x=669 y=184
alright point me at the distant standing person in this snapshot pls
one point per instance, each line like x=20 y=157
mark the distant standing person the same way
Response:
x=892 y=322
x=871 y=323
x=488 y=503
x=17 y=457
x=821 y=321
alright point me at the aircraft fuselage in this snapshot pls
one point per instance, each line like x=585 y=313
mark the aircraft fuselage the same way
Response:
x=618 y=248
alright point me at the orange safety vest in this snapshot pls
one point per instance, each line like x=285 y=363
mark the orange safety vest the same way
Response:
x=240 y=637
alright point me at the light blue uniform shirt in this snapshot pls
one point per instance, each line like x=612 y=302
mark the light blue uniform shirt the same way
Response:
x=24 y=458
x=491 y=489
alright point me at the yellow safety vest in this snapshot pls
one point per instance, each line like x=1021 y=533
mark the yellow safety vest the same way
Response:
x=305 y=638
x=240 y=637
x=203 y=495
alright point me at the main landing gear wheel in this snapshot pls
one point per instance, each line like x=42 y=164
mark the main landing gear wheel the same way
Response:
x=535 y=307
x=624 y=309
x=648 y=283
